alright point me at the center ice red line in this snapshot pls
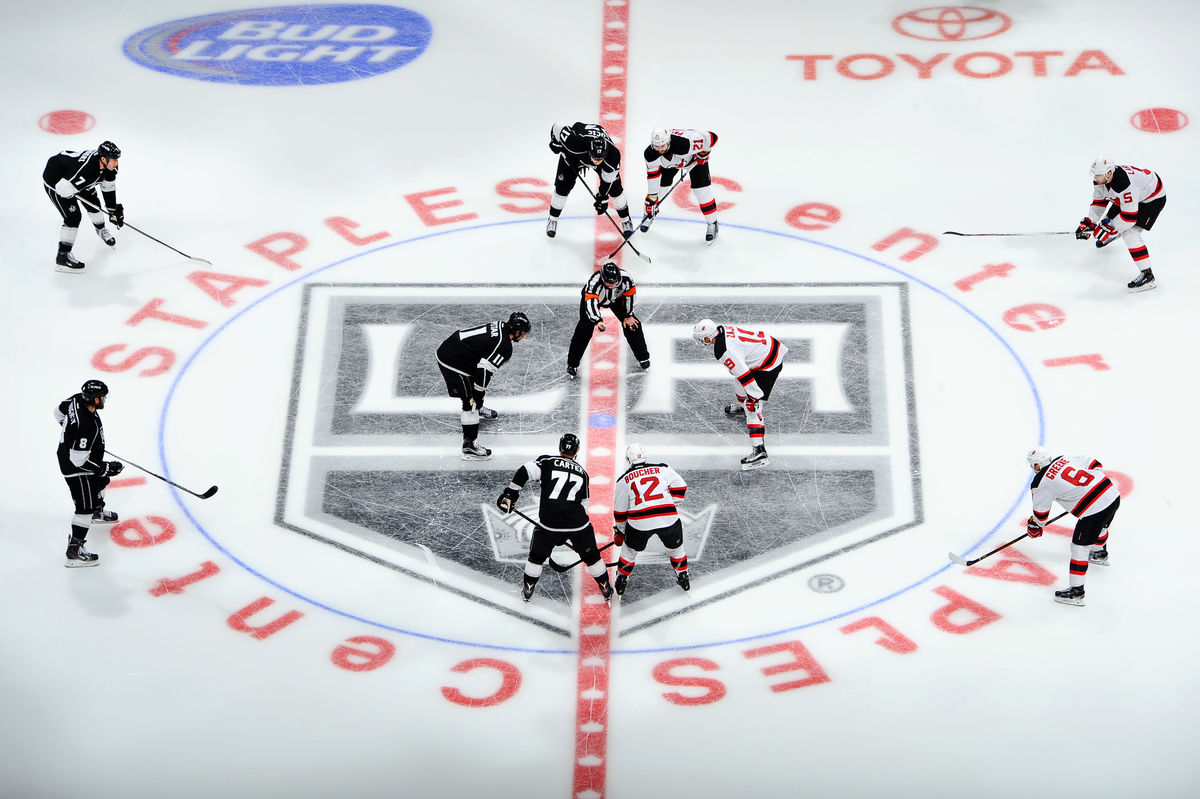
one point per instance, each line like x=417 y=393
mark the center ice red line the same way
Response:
x=602 y=378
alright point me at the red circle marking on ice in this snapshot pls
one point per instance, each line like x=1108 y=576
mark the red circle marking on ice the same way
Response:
x=1159 y=120
x=66 y=122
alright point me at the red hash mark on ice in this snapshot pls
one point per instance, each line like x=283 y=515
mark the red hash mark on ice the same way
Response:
x=605 y=355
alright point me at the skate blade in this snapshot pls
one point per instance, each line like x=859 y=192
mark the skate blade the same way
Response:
x=1140 y=289
x=746 y=467
x=104 y=521
x=67 y=270
x=1063 y=601
x=465 y=457
x=81 y=564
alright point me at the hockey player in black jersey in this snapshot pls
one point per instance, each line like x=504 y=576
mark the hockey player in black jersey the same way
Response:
x=580 y=146
x=468 y=358
x=81 y=461
x=608 y=287
x=70 y=179
x=562 y=513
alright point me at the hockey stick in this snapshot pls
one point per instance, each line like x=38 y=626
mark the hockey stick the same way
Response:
x=961 y=561
x=648 y=219
x=147 y=235
x=1045 y=233
x=551 y=562
x=620 y=232
x=212 y=490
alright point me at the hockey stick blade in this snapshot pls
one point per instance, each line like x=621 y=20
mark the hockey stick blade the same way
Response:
x=208 y=493
x=211 y=490
x=1043 y=233
x=959 y=559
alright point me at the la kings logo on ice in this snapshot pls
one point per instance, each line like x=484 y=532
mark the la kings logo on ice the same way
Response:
x=371 y=456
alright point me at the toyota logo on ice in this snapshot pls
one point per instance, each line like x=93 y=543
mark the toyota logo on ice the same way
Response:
x=951 y=23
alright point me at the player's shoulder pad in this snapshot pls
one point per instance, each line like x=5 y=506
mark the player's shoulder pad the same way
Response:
x=650 y=154
x=1120 y=180
x=719 y=343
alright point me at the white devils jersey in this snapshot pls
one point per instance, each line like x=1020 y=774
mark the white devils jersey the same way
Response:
x=1077 y=483
x=645 y=497
x=696 y=146
x=1130 y=187
x=744 y=352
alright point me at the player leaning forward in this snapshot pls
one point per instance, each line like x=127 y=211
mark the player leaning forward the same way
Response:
x=755 y=360
x=81 y=461
x=1079 y=486
x=643 y=506
x=670 y=150
x=562 y=513
x=1136 y=198
x=468 y=359
x=70 y=180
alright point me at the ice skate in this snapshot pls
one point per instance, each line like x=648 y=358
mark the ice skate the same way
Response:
x=487 y=414
x=619 y=585
x=551 y=227
x=647 y=221
x=734 y=409
x=627 y=227
x=710 y=235
x=756 y=459
x=473 y=452
x=68 y=263
x=106 y=236
x=1070 y=596
x=684 y=581
x=1099 y=557
x=644 y=364
x=78 y=557
x=572 y=371
x=1143 y=282
x=104 y=517
x=606 y=589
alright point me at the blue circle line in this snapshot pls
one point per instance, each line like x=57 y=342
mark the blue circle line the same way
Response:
x=500 y=647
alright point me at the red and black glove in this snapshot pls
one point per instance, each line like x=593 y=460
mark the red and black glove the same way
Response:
x=1084 y=231
x=1105 y=233
x=1033 y=528
x=618 y=538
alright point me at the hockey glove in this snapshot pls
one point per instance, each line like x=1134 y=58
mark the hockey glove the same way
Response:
x=556 y=147
x=618 y=537
x=1084 y=231
x=601 y=205
x=113 y=468
x=1033 y=527
x=506 y=500
x=1105 y=233
x=117 y=214
x=651 y=204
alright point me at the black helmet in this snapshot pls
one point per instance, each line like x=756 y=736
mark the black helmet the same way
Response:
x=517 y=323
x=597 y=145
x=610 y=273
x=108 y=150
x=94 y=389
x=568 y=444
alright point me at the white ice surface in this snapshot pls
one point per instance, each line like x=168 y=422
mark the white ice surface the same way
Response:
x=108 y=691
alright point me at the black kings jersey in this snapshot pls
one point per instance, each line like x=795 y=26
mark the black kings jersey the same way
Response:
x=81 y=443
x=565 y=491
x=476 y=352
x=80 y=170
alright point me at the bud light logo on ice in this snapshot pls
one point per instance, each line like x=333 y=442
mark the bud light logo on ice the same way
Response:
x=284 y=46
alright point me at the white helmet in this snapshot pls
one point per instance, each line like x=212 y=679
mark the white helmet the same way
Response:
x=705 y=331
x=1038 y=458
x=635 y=453
x=660 y=138
x=1101 y=166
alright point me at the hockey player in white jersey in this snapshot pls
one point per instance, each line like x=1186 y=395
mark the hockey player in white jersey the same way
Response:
x=1126 y=200
x=670 y=150
x=755 y=360
x=1079 y=486
x=643 y=506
